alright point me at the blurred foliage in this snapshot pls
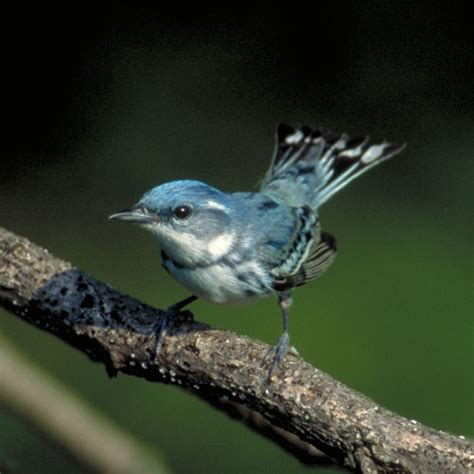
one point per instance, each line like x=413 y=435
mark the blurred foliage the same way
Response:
x=128 y=99
x=25 y=448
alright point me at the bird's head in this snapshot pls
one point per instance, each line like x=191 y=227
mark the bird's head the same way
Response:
x=190 y=219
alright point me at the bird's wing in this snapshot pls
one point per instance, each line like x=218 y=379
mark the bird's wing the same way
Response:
x=289 y=242
x=320 y=256
x=310 y=165
x=299 y=255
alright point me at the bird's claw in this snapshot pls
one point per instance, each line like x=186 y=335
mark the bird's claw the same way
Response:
x=276 y=353
x=163 y=325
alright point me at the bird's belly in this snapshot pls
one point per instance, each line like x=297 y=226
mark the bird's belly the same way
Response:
x=221 y=283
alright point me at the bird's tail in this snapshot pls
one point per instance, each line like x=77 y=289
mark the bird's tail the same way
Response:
x=309 y=165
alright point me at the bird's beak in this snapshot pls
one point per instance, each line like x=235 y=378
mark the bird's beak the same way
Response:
x=137 y=214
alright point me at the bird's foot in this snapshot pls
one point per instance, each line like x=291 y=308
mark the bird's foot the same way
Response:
x=161 y=329
x=276 y=353
x=165 y=322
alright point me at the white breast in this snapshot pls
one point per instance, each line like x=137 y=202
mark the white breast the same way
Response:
x=221 y=283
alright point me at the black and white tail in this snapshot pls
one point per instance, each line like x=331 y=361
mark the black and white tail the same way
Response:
x=309 y=165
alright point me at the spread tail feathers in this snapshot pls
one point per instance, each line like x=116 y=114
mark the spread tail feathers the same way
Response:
x=310 y=166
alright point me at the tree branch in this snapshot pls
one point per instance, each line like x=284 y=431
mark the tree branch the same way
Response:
x=303 y=409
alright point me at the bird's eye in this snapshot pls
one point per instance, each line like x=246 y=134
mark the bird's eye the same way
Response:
x=182 y=212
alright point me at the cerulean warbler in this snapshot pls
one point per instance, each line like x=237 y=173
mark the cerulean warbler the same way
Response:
x=234 y=248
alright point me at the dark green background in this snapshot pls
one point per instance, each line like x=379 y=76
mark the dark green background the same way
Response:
x=106 y=102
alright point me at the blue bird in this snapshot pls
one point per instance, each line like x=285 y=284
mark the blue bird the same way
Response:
x=237 y=247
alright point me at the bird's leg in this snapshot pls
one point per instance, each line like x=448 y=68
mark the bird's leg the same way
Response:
x=281 y=348
x=171 y=312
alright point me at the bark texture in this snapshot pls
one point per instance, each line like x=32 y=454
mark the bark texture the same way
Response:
x=303 y=409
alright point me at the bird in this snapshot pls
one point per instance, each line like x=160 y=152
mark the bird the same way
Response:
x=241 y=246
